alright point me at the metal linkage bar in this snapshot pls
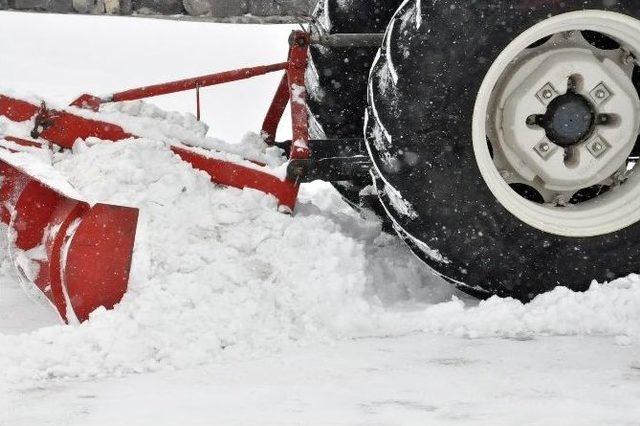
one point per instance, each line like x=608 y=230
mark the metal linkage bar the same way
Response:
x=298 y=57
x=276 y=110
x=332 y=160
x=348 y=40
x=197 y=82
x=94 y=102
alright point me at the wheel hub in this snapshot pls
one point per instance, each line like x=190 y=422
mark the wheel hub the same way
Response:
x=569 y=120
x=565 y=118
x=580 y=165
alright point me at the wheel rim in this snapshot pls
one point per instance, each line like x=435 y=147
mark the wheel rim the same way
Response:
x=556 y=120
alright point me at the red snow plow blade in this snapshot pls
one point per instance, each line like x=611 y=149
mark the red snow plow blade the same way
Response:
x=78 y=255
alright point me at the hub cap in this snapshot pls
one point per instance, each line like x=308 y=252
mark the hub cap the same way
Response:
x=569 y=120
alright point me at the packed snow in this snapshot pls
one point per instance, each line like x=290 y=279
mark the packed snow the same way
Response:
x=234 y=304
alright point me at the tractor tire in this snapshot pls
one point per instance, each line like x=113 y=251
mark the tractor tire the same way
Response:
x=337 y=78
x=447 y=168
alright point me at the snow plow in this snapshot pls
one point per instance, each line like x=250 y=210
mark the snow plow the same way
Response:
x=85 y=251
x=78 y=255
x=506 y=161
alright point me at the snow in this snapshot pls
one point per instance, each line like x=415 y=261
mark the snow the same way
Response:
x=28 y=163
x=144 y=119
x=217 y=273
x=238 y=314
x=412 y=380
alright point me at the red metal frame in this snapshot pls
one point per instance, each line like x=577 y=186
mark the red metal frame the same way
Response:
x=238 y=176
x=89 y=248
x=276 y=110
x=298 y=58
x=290 y=90
x=182 y=85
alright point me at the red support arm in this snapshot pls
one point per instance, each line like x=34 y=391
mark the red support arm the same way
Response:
x=276 y=110
x=93 y=102
x=298 y=58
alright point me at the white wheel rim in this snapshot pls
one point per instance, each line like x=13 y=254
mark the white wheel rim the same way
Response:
x=611 y=212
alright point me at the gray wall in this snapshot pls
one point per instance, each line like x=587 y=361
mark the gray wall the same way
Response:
x=197 y=8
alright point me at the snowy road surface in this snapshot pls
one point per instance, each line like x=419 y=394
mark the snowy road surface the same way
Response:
x=417 y=379
x=240 y=315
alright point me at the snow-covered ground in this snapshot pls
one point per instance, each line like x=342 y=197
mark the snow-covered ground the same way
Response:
x=238 y=314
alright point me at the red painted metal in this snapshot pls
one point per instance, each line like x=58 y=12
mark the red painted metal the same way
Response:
x=88 y=249
x=300 y=120
x=192 y=83
x=59 y=127
x=21 y=142
x=64 y=128
x=88 y=102
x=237 y=176
x=276 y=110
x=74 y=237
x=16 y=109
x=100 y=254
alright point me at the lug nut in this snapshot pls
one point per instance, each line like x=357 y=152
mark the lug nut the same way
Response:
x=629 y=59
x=546 y=93
x=544 y=149
x=597 y=147
x=600 y=93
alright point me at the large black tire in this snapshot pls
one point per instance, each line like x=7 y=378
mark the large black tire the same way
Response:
x=337 y=77
x=419 y=131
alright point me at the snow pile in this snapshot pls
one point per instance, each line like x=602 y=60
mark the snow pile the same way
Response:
x=215 y=271
x=611 y=309
x=144 y=119
x=219 y=273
